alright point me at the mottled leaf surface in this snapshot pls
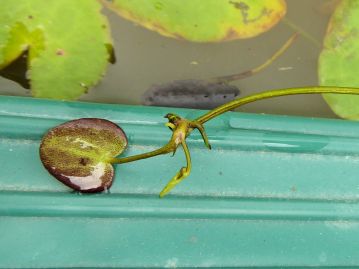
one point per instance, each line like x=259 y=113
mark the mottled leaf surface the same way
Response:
x=203 y=21
x=339 y=60
x=78 y=153
x=67 y=43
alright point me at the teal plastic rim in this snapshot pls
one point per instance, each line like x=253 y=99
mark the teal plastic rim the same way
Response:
x=275 y=191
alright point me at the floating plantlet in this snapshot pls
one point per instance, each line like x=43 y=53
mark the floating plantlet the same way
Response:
x=80 y=153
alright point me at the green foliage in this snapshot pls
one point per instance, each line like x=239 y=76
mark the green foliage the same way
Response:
x=339 y=60
x=203 y=21
x=67 y=42
x=78 y=153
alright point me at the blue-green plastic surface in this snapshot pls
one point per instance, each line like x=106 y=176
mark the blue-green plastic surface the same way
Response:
x=274 y=192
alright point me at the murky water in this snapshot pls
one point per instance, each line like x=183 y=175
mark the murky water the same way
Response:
x=145 y=58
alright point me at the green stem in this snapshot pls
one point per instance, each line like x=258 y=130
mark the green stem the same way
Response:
x=256 y=70
x=302 y=32
x=181 y=128
x=270 y=94
x=169 y=147
x=181 y=175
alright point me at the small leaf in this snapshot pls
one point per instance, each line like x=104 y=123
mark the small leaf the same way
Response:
x=339 y=60
x=78 y=153
x=203 y=20
x=67 y=42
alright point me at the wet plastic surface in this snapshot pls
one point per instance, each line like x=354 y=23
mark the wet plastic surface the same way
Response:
x=275 y=191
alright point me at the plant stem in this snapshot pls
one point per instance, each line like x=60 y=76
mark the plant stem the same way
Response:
x=185 y=129
x=181 y=175
x=257 y=69
x=301 y=31
x=274 y=93
x=169 y=147
x=180 y=127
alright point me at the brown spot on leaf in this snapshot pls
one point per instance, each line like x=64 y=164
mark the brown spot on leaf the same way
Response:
x=30 y=17
x=84 y=161
x=244 y=9
x=239 y=5
x=60 y=52
x=231 y=34
x=179 y=36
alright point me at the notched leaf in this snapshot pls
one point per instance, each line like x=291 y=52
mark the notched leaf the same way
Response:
x=17 y=71
x=77 y=153
x=68 y=43
x=21 y=39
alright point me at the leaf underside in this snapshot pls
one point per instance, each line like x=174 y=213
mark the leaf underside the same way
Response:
x=77 y=153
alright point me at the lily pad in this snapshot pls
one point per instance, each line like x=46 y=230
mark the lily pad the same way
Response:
x=339 y=59
x=78 y=153
x=67 y=44
x=203 y=20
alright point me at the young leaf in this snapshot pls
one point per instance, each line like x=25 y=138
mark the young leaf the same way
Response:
x=203 y=21
x=67 y=44
x=78 y=153
x=339 y=60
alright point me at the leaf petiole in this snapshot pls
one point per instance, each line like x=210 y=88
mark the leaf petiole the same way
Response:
x=182 y=128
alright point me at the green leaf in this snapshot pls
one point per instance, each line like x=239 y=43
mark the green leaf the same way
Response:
x=78 y=153
x=339 y=59
x=203 y=20
x=67 y=42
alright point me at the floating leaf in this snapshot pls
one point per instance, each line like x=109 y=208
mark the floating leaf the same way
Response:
x=339 y=60
x=203 y=20
x=67 y=44
x=78 y=152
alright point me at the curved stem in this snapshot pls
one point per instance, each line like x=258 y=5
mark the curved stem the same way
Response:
x=181 y=174
x=169 y=147
x=253 y=71
x=274 y=93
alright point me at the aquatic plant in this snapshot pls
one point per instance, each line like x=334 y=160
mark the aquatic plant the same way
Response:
x=80 y=153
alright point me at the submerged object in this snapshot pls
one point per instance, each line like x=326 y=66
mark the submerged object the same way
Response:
x=204 y=94
x=191 y=93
